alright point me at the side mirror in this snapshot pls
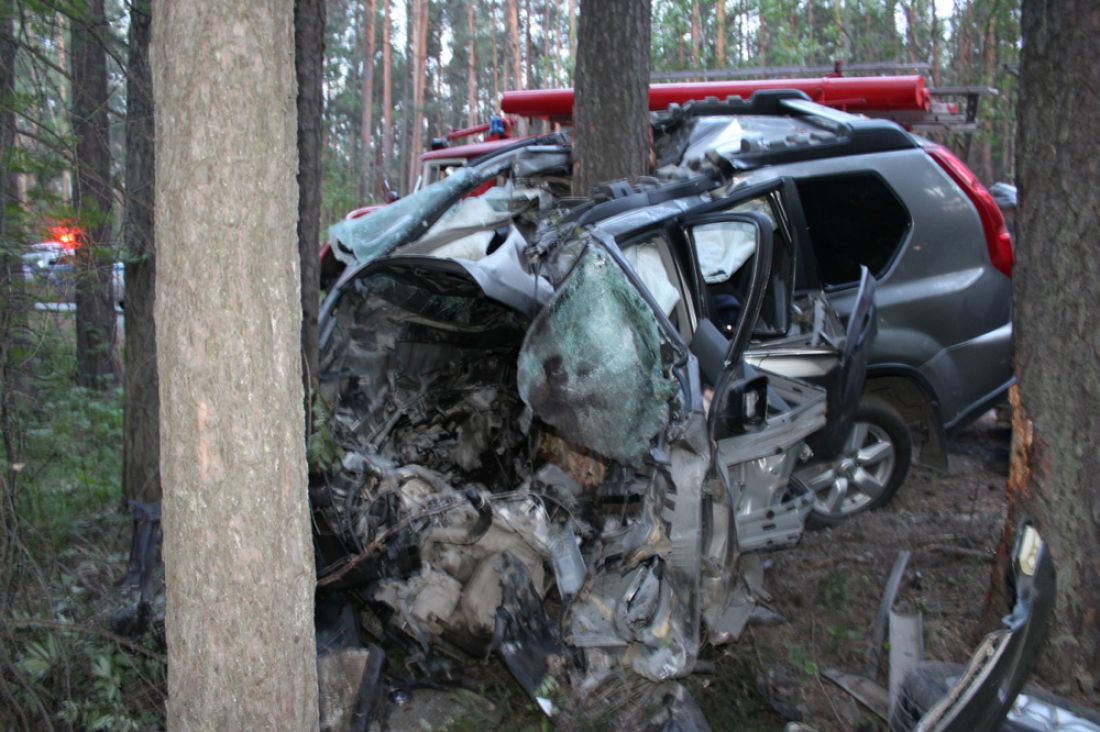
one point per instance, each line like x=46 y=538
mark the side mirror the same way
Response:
x=746 y=406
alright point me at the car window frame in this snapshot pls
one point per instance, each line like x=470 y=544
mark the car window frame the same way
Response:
x=903 y=239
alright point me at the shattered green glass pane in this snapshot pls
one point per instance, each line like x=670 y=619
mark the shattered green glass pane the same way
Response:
x=591 y=363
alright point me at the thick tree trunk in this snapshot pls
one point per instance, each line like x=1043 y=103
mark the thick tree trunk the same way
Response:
x=141 y=422
x=96 y=364
x=366 y=128
x=309 y=53
x=610 y=119
x=1056 y=286
x=237 y=554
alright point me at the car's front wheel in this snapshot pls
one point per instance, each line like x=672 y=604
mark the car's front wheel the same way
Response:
x=869 y=470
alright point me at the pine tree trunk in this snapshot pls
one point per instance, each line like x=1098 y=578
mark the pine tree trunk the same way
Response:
x=309 y=53
x=989 y=56
x=838 y=26
x=611 y=119
x=573 y=30
x=96 y=363
x=1056 y=285
x=696 y=37
x=367 y=126
x=529 y=47
x=496 y=57
x=64 y=88
x=13 y=316
x=516 y=61
x=935 y=46
x=237 y=552
x=141 y=411
x=720 y=34
x=387 y=97
x=418 y=26
x=471 y=68
x=809 y=43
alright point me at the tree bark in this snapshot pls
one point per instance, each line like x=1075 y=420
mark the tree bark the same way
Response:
x=13 y=310
x=720 y=34
x=496 y=56
x=696 y=37
x=309 y=56
x=610 y=118
x=237 y=553
x=1056 y=282
x=96 y=364
x=935 y=46
x=418 y=28
x=528 y=46
x=512 y=10
x=141 y=408
x=387 y=97
x=367 y=125
x=64 y=88
x=471 y=68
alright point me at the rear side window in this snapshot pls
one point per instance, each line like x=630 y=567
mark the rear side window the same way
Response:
x=854 y=220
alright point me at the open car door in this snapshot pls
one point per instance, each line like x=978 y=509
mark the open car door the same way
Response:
x=758 y=419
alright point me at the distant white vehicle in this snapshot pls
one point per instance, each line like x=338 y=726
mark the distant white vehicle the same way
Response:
x=50 y=263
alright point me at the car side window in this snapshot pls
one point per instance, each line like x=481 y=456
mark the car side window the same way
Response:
x=854 y=220
x=651 y=257
x=724 y=251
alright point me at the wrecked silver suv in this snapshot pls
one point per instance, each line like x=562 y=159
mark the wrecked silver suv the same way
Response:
x=551 y=441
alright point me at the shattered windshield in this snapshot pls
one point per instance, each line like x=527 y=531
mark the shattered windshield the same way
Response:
x=370 y=237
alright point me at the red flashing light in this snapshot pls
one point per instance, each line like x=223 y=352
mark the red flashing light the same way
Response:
x=997 y=238
x=67 y=235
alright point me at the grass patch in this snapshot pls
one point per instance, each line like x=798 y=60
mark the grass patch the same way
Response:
x=72 y=448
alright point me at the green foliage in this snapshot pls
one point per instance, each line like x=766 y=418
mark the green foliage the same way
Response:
x=108 y=684
x=323 y=451
x=105 y=707
x=72 y=457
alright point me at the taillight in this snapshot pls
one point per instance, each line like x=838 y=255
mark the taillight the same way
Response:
x=997 y=238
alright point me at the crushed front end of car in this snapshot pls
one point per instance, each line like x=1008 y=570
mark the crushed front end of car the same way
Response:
x=529 y=458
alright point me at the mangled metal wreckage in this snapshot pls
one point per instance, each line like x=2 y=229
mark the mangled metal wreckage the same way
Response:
x=555 y=443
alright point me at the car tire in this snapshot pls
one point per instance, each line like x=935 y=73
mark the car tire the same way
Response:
x=881 y=459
